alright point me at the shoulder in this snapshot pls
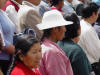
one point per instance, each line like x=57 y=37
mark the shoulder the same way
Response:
x=17 y=71
x=27 y=10
x=48 y=49
x=72 y=50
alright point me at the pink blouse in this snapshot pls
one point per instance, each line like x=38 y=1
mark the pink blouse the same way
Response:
x=54 y=61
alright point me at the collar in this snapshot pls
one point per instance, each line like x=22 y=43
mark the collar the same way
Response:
x=45 y=40
x=28 y=3
x=87 y=23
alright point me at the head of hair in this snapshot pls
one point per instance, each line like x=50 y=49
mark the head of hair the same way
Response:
x=22 y=46
x=47 y=33
x=73 y=28
x=89 y=9
x=55 y=2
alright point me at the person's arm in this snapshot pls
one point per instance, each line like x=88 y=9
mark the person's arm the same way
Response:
x=8 y=47
x=12 y=13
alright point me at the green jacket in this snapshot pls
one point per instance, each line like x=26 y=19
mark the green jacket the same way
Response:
x=79 y=61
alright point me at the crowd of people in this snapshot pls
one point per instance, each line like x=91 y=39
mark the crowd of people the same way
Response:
x=49 y=37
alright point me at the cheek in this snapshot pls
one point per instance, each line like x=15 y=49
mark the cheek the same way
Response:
x=61 y=35
x=29 y=61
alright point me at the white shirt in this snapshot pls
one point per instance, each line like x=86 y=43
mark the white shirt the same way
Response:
x=30 y=5
x=12 y=13
x=89 y=41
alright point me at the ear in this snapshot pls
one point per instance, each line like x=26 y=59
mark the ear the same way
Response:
x=21 y=57
x=93 y=14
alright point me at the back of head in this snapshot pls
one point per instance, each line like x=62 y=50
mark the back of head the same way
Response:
x=88 y=10
x=72 y=28
x=54 y=2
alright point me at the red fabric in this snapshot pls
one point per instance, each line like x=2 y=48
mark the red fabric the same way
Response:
x=9 y=2
x=54 y=8
x=21 y=69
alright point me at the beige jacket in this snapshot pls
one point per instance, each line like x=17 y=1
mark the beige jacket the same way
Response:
x=28 y=16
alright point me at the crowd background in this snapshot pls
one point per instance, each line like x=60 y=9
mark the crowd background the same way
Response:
x=49 y=37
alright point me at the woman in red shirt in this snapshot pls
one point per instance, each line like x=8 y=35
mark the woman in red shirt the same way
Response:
x=27 y=56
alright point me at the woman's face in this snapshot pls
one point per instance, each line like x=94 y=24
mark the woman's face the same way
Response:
x=2 y=3
x=33 y=56
x=60 y=33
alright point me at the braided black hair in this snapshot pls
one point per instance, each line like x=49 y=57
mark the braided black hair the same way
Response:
x=22 y=46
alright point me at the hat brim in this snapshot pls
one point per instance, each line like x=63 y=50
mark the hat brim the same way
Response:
x=43 y=26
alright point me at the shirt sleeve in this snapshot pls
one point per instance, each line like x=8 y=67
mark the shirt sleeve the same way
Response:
x=2 y=39
x=5 y=42
x=12 y=13
x=54 y=64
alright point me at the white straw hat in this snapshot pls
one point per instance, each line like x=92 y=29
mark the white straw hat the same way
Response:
x=51 y=19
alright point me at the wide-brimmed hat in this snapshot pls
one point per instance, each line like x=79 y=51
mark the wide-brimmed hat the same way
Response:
x=52 y=19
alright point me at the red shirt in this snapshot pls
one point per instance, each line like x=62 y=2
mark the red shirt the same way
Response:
x=21 y=69
x=9 y=2
x=54 y=8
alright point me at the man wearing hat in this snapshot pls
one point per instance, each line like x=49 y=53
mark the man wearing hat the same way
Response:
x=54 y=61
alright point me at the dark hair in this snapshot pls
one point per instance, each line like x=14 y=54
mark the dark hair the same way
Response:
x=79 y=9
x=22 y=46
x=54 y=2
x=73 y=28
x=88 y=10
x=47 y=33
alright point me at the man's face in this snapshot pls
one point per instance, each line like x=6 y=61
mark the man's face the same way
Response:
x=60 y=33
x=2 y=3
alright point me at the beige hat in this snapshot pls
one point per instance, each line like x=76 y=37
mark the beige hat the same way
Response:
x=51 y=19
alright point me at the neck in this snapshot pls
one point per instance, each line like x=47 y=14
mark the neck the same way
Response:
x=57 y=6
x=89 y=20
x=51 y=38
x=75 y=40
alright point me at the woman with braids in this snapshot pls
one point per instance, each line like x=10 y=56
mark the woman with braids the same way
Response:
x=57 y=4
x=27 y=56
